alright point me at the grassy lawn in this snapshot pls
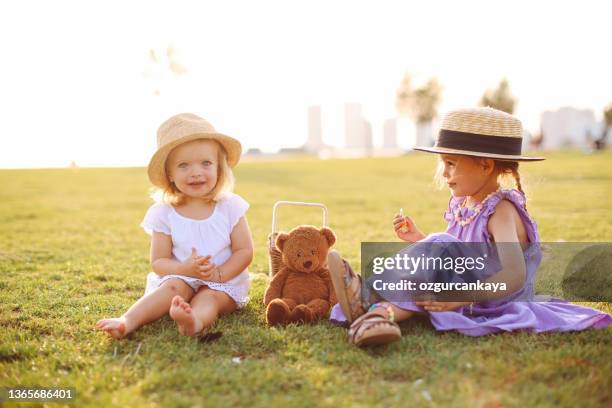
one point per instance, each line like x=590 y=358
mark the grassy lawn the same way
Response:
x=71 y=252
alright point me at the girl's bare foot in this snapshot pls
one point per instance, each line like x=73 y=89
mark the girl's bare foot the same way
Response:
x=113 y=327
x=181 y=313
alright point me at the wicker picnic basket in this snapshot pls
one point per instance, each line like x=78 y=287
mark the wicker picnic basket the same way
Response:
x=276 y=262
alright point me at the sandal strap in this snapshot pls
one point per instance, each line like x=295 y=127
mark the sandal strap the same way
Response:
x=347 y=286
x=366 y=322
x=353 y=284
x=357 y=334
x=386 y=306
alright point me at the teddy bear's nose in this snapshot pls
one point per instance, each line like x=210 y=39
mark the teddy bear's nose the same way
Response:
x=307 y=264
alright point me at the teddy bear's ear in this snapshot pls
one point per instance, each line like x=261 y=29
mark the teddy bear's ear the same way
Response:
x=329 y=236
x=280 y=241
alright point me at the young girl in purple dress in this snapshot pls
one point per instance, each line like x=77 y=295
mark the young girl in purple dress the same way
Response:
x=477 y=148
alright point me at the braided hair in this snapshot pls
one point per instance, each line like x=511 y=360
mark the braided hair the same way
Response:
x=505 y=168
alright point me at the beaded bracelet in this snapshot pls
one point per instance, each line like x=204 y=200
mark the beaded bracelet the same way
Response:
x=386 y=306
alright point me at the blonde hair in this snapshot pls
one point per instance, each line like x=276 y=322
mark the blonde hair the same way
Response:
x=507 y=173
x=225 y=182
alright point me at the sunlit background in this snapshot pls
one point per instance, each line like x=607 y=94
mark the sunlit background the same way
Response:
x=89 y=82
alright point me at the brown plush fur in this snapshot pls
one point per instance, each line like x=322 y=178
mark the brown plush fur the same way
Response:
x=301 y=292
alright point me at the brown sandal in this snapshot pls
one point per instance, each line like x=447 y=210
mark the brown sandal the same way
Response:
x=374 y=329
x=347 y=285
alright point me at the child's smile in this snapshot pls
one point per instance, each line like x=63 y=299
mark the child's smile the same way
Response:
x=192 y=167
x=197 y=184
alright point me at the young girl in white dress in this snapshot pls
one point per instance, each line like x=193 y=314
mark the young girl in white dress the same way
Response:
x=201 y=244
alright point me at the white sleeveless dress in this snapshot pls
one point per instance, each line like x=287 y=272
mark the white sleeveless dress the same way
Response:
x=210 y=236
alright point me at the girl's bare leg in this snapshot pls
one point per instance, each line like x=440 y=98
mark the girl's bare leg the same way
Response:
x=205 y=307
x=148 y=308
x=398 y=314
x=401 y=314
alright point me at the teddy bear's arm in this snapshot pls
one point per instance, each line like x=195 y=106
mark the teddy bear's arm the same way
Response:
x=275 y=287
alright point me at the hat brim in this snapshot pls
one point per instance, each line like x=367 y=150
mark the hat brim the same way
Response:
x=445 y=150
x=156 y=169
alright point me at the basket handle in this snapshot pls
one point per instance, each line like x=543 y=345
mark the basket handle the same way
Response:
x=296 y=203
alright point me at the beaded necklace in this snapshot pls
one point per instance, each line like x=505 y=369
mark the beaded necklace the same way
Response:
x=477 y=210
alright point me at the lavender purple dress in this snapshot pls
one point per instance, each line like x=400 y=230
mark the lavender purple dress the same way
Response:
x=504 y=315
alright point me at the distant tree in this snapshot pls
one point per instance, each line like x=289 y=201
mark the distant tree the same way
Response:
x=420 y=104
x=600 y=143
x=403 y=96
x=608 y=116
x=535 y=142
x=499 y=98
x=426 y=101
x=163 y=64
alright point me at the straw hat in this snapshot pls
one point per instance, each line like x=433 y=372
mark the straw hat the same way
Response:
x=180 y=129
x=481 y=132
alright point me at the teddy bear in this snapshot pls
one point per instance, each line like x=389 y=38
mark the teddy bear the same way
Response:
x=301 y=291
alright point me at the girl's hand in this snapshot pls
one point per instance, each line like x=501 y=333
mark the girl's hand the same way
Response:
x=210 y=272
x=406 y=229
x=195 y=265
x=435 y=306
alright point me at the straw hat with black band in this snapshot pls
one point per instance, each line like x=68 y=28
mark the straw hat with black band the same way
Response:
x=180 y=129
x=480 y=132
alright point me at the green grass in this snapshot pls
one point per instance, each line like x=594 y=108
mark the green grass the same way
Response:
x=71 y=252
